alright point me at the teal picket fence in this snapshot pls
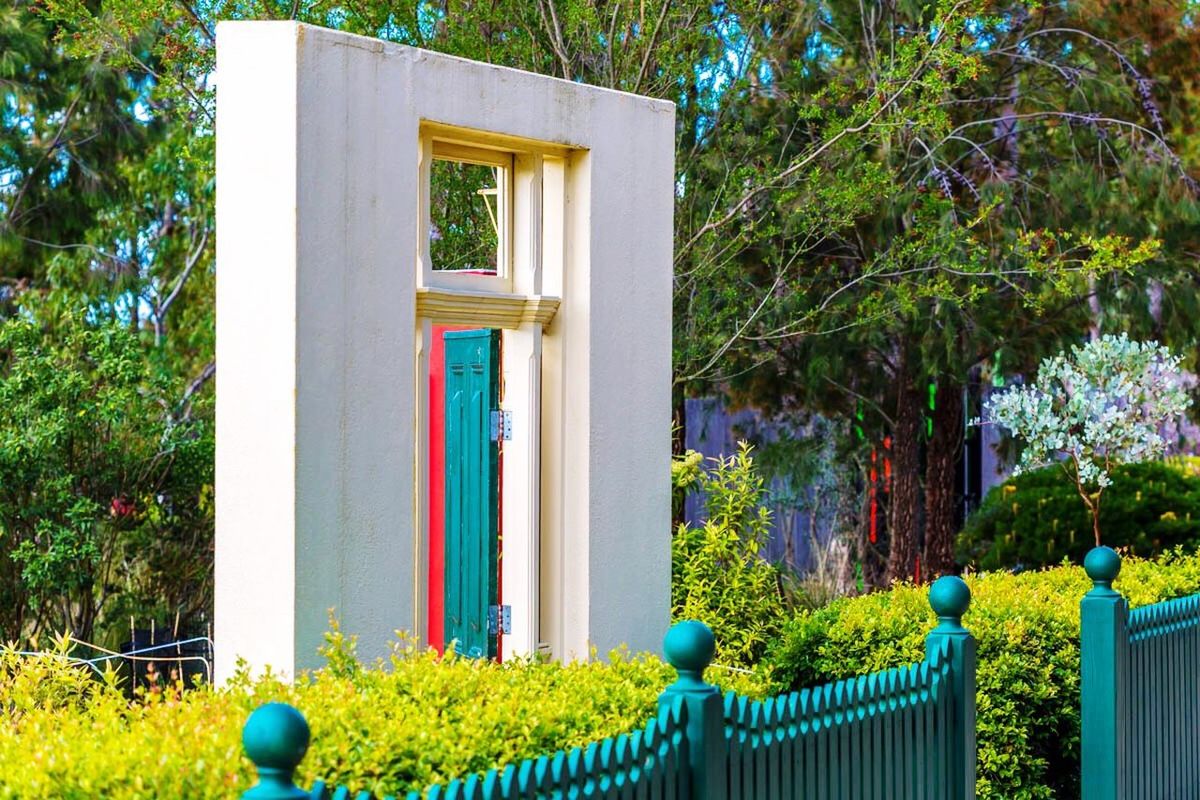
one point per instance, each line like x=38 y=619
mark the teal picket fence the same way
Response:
x=1140 y=692
x=903 y=734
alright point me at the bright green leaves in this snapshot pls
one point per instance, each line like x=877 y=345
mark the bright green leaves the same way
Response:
x=412 y=721
x=718 y=575
x=96 y=475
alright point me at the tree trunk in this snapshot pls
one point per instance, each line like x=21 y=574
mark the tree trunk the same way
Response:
x=941 y=460
x=906 y=478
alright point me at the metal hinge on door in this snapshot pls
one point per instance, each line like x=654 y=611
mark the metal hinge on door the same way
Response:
x=499 y=619
x=501 y=426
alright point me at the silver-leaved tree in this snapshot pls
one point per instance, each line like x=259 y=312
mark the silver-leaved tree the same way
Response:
x=1102 y=404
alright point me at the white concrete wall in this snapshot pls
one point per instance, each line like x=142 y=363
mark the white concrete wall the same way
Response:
x=317 y=505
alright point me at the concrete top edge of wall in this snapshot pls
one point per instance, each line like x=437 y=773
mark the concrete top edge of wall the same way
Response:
x=386 y=48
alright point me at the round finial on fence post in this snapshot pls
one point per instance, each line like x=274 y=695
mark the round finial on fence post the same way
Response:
x=689 y=647
x=275 y=738
x=949 y=597
x=1102 y=565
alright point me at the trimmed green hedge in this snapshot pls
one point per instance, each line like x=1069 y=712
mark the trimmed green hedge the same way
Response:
x=1038 y=519
x=419 y=720
x=413 y=722
x=1027 y=627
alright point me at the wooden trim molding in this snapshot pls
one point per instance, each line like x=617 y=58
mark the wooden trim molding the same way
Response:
x=489 y=140
x=485 y=309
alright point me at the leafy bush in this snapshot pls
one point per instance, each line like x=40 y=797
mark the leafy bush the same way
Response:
x=105 y=484
x=417 y=720
x=1036 y=519
x=1188 y=465
x=1027 y=627
x=717 y=573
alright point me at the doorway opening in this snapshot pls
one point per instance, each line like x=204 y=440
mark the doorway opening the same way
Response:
x=493 y=242
x=466 y=435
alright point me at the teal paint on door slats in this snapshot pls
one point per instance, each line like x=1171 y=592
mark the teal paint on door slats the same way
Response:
x=472 y=489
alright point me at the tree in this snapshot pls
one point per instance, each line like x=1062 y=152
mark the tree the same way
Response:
x=871 y=198
x=104 y=499
x=104 y=218
x=1104 y=405
x=716 y=61
x=65 y=123
x=984 y=240
x=731 y=197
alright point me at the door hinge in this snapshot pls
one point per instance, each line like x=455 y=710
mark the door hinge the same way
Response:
x=501 y=426
x=499 y=619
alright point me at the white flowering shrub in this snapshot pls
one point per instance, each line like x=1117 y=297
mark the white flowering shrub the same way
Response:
x=1103 y=404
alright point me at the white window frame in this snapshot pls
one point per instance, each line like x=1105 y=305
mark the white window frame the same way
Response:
x=439 y=149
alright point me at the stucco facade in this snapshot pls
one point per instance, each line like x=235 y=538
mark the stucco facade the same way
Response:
x=321 y=345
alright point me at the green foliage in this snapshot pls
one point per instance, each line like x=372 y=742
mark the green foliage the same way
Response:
x=687 y=471
x=1027 y=627
x=1186 y=465
x=105 y=495
x=463 y=216
x=1036 y=519
x=1102 y=404
x=64 y=122
x=717 y=573
x=403 y=725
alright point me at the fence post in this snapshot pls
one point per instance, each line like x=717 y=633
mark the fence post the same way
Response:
x=1103 y=679
x=689 y=648
x=275 y=738
x=950 y=597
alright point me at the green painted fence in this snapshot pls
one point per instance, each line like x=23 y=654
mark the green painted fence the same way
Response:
x=903 y=734
x=1140 y=692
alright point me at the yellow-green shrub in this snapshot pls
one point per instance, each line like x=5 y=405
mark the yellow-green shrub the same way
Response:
x=1027 y=627
x=415 y=721
x=718 y=575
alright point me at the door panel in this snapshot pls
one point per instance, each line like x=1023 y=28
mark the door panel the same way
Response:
x=471 y=489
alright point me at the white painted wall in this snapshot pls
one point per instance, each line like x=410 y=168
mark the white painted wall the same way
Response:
x=318 y=506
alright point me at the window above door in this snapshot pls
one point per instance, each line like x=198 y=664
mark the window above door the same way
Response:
x=490 y=208
x=470 y=211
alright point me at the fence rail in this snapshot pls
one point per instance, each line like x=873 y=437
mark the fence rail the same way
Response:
x=1140 y=692
x=903 y=734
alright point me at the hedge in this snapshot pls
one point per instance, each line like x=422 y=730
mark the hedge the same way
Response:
x=1027 y=626
x=415 y=721
x=419 y=719
x=1038 y=519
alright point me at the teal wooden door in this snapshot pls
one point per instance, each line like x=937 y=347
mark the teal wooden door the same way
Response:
x=472 y=490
